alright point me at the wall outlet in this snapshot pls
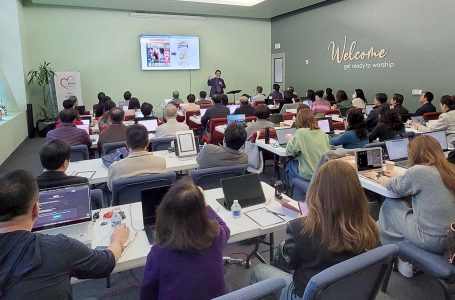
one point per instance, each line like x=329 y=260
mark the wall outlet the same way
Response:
x=277 y=46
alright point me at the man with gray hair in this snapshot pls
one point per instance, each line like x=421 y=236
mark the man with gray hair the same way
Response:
x=171 y=126
x=176 y=98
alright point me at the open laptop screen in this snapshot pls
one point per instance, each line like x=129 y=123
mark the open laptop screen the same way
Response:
x=151 y=125
x=86 y=127
x=151 y=199
x=397 y=149
x=203 y=110
x=63 y=206
x=369 y=159
x=232 y=107
x=239 y=119
x=326 y=124
x=281 y=134
x=440 y=136
x=246 y=188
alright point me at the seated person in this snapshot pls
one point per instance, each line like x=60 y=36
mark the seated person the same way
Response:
x=356 y=134
x=67 y=104
x=98 y=108
x=294 y=96
x=446 y=120
x=202 y=98
x=259 y=96
x=171 y=126
x=147 y=112
x=430 y=182
x=188 y=251
x=338 y=227
x=390 y=125
x=116 y=132
x=329 y=96
x=396 y=104
x=310 y=98
x=69 y=132
x=190 y=106
x=342 y=100
x=245 y=108
x=40 y=266
x=105 y=119
x=139 y=162
x=262 y=114
x=380 y=100
x=217 y=111
x=133 y=106
x=55 y=157
x=427 y=106
x=175 y=98
x=320 y=105
x=276 y=94
x=230 y=154
x=358 y=99
x=127 y=97
x=308 y=143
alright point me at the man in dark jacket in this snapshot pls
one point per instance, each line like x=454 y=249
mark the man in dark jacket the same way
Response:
x=427 y=106
x=380 y=100
x=38 y=266
x=217 y=111
x=245 y=108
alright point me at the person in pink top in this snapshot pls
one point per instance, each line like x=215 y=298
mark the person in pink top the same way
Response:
x=320 y=105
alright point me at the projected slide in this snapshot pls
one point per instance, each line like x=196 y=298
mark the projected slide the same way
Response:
x=167 y=52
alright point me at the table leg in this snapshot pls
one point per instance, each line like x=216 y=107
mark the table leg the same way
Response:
x=277 y=165
x=271 y=246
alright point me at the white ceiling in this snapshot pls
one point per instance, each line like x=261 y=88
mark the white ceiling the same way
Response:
x=264 y=10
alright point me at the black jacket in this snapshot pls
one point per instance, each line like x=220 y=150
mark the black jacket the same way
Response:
x=373 y=117
x=246 y=110
x=427 y=107
x=50 y=179
x=217 y=111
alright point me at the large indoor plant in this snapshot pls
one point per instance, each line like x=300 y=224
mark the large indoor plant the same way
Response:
x=42 y=76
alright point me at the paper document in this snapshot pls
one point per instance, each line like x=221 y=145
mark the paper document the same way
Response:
x=264 y=217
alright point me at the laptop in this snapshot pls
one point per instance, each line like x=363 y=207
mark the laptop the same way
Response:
x=232 y=107
x=85 y=122
x=441 y=137
x=138 y=114
x=66 y=210
x=418 y=119
x=368 y=108
x=276 y=118
x=281 y=135
x=125 y=107
x=326 y=125
x=81 y=109
x=86 y=118
x=398 y=151
x=86 y=127
x=202 y=111
x=368 y=159
x=246 y=189
x=151 y=199
x=239 y=119
x=151 y=125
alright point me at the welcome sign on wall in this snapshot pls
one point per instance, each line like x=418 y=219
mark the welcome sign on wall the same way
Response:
x=353 y=59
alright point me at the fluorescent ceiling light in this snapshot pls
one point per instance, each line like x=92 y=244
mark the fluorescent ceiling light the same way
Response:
x=165 y=16
x=228 y=2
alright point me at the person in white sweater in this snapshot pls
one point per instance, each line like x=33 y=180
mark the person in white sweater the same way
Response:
x=430 y=183
x=446 y=120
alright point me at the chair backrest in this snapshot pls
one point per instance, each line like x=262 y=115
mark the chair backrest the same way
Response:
x=107 y=148
x=261 y=136
x=289 y=106
x=431 y=116
x=79 y=152
x=129 y=118
x=209 y=178
x=258 y=102
x=288 y=116
x=205 y=106
x=357 y=278
x=215 y=136
x=332 y=112
x=191 y=124
x=158 y=144
x=128 y=190
x=259 y=290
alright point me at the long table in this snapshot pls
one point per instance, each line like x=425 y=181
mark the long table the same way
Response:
x=241 y=228
x=95 y=138
x=86 y=168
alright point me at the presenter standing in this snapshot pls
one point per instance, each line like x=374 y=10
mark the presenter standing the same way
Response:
x=216 y=84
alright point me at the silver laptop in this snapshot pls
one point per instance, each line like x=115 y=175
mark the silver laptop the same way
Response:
x=441 y=137
x=281 y=135
x=326 y=125
x=368 y=159
x=66 y=210
x=398 y=151
x=368 y=108
x=151 y=125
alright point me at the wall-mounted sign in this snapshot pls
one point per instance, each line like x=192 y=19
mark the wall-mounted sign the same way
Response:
x=354 y=59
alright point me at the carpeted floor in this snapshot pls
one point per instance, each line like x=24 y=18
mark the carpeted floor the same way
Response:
x=126 y=285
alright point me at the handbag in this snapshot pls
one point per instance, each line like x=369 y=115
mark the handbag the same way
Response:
x=449 y=249
x=110 y=158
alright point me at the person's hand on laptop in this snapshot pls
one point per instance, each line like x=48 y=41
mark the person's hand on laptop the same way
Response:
x=393 y=173
x=118 y=239
x=289 y=137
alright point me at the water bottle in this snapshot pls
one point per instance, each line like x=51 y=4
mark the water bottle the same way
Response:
x=267 y=135
x=236 y=209
x=116 y=220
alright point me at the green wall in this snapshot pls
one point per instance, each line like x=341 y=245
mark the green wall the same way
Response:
x=418 y=36
x=104 y=46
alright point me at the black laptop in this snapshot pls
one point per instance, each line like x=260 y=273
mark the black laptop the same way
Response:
x=326 y=124
x=246 y=189
x=151 y=199
x=276 y=118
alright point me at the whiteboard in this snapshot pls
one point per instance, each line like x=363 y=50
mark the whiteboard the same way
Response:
x=67 y=84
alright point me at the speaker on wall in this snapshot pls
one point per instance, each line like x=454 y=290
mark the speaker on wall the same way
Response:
x=30 y=126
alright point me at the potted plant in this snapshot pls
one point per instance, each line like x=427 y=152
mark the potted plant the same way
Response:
x=41 y=76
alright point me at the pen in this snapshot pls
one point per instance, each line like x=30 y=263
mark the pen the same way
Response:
x=275 y=213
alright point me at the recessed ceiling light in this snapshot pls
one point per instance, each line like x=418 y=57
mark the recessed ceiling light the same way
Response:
x=228 y=2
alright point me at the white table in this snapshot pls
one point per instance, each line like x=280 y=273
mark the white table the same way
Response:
x=241 y=228
x=196 y=119
x=173 y=164
x=95 y=128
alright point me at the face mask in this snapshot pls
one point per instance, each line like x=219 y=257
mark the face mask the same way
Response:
x=354 y=96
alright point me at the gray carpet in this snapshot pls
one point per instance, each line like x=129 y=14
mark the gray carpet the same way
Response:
x=125 y=285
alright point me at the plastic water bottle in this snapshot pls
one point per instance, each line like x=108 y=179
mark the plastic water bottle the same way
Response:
x=116 y=220
x=236 y=209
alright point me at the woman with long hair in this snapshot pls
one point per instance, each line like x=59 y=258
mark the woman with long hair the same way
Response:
x=342 y=100
x=338 y=227
x=308 y=143
x=186 y=261
x=430 y=183
x=356 y=134
x=358 y=99
x=389 y=126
